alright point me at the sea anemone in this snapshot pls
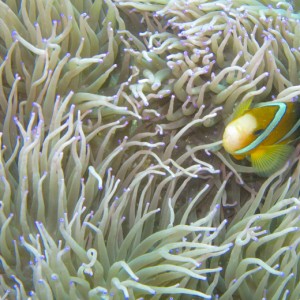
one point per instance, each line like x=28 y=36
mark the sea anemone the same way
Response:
x=113 y=181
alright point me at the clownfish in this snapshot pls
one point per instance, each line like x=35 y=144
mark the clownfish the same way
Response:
x=263 y=133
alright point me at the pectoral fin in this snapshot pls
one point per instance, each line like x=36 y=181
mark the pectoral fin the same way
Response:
x=269 y=159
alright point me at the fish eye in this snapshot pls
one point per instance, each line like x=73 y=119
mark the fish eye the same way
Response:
x=258 y=131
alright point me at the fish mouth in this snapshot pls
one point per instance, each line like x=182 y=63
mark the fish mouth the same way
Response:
x=231 y=138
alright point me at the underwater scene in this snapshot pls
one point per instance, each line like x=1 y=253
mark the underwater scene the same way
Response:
x=149 y=149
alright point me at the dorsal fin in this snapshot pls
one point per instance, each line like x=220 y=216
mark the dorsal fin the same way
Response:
x=241 y=108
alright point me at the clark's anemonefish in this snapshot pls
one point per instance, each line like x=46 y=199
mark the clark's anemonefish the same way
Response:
x=263 y=133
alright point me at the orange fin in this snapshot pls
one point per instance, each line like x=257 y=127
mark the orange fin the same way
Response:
x=269 y=159
x=241 y=108
x=239 y=157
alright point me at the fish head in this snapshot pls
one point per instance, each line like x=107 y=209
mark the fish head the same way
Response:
x=239 y=133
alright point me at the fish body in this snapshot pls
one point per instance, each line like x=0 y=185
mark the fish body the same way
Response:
x=263 y=133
